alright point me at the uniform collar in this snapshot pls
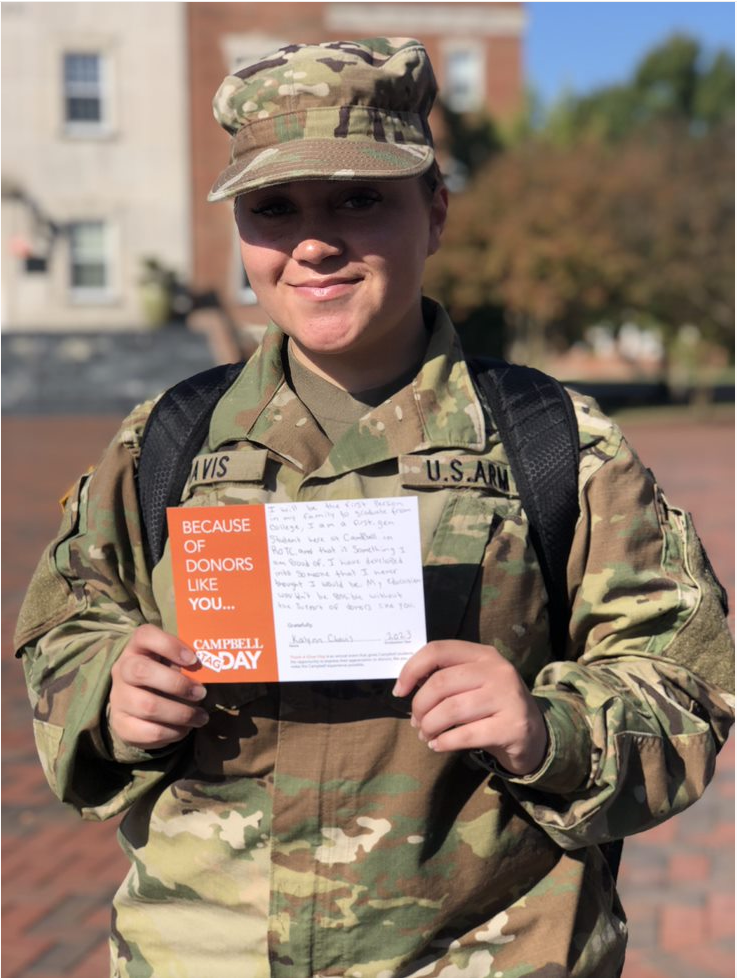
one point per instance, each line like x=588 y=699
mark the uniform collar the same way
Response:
x=438 y=409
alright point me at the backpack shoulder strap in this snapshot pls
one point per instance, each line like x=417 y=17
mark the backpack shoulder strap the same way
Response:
x=537 y=425
x=174 y=433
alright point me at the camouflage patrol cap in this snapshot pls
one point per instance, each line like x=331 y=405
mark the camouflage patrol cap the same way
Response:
x=340 y=110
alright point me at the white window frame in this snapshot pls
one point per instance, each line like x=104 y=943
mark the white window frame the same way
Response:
x=92 y=294
x=86 y=128
x=474 y=98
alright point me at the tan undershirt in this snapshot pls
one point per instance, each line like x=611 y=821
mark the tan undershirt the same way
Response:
x=336 y=410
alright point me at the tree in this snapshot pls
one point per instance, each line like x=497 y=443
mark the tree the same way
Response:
x=674 y=83
x=714 y=98
x=561 y=238
x=621 y=204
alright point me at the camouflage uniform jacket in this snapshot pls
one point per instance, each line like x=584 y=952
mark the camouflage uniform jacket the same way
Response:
x=305 y=830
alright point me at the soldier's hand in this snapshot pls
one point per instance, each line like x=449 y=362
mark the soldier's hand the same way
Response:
x=152 y=704
x=468 y=697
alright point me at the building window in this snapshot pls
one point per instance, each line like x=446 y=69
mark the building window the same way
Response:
x=84 y=102
x=465 y=85
x=89 y=263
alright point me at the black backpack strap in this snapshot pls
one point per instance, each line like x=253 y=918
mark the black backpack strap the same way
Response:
x=174 y=433
x=537 y=425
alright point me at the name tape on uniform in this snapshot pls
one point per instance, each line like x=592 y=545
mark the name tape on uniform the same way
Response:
x=227 y=467
x=460 y=471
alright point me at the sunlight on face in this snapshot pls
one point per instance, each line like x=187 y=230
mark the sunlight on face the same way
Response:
x=338 y=266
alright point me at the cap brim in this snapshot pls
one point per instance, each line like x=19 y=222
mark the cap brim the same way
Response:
x=321 y=159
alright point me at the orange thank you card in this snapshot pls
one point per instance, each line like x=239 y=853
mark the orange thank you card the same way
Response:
x=299 y=591
x=222 y=589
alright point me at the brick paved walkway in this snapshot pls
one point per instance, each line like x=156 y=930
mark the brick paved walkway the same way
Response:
x=59 y=875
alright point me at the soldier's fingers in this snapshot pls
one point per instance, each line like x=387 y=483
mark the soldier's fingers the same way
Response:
x=440 y=655
x=519 y=743
x=147 y=735
x=150 y=640
x=418 y=667
x=144 y=672
x=481 y=733
x=449 y=699
x=469 y=690
x=142 y=704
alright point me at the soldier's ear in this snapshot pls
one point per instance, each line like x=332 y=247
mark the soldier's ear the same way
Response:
x=438 y=215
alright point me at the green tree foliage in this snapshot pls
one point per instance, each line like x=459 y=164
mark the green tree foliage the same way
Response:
x=469 y=141
x=675 y=83
x=615 y=209
x=714 y=98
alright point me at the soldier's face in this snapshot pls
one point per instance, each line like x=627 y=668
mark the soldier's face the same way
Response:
x=338 y=266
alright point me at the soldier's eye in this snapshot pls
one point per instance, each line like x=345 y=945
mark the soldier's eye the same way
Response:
x=276 y=207
x=361 y=200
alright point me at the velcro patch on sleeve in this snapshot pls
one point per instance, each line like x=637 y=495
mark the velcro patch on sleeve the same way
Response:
x=233 y=466
x=459 y=471
x=70 y=491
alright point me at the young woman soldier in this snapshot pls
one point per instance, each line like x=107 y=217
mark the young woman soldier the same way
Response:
x=445 y=824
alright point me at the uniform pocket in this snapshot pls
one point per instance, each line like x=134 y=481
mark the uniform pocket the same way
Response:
x=453 y=564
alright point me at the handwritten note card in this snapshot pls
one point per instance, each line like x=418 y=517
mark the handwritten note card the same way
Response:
x=299 y=591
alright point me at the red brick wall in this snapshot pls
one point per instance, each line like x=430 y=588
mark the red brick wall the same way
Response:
x=505 y=77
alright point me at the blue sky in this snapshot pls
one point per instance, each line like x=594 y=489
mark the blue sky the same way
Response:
x=585 y=45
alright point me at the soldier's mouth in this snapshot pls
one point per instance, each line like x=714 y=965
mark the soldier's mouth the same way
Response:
x=325 y=289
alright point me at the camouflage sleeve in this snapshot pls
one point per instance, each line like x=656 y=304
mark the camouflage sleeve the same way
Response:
x=644 y=703
x=90 y=590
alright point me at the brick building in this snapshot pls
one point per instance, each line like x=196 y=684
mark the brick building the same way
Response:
x=95 y=177
x=475 y=48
